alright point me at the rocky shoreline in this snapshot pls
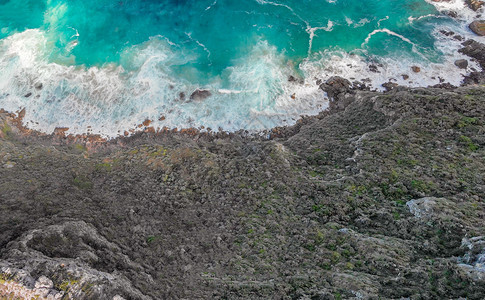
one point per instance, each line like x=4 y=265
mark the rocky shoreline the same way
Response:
x=381 y=196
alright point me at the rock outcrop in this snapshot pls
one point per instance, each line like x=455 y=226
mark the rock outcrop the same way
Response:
x=478 y=27
x=475 y=4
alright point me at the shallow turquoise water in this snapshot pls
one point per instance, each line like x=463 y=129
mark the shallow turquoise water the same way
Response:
x=226 y=29
x=111 y=64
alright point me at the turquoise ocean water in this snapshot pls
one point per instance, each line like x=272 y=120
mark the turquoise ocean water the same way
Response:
x=106 y=66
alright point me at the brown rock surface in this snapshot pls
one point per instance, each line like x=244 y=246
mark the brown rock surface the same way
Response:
x=475 y=4
x=478 y=27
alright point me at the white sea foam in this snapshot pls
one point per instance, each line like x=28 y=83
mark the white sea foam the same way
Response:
x=189 y=35
x=255 y=95
x=382 y=20
x=458 y=6
x=388 y=32
x=465 y=16
x=329 y=63
x=264 y=2
x=212 y=5
x=311 y=31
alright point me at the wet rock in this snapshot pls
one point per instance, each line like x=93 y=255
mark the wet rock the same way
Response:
x=337 y=89
x=390 y=85
x=335 y=86
x=200 y=95
x=182 y=96
x=445 y=86
x=452 y=14
x=475 y=4
x=461 y=63
x=475 y=50
x=405 y=76
x=478 y=27
x=416 y=69
x=38 y=86
x=458 y=38
x=374 y=69
x=474 y=78
x=28 y=95
x=60 y=131
x=447 y=33
x=361 y=86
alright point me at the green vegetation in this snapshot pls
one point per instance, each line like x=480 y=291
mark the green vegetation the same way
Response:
x=83 y=182
x=421 y=185
x=80 y=148
x=469 y=143
x=107 y=167
x=159 y=152
x=67 y=284
x=6 y=130
x=467 y=121
x=4 y=277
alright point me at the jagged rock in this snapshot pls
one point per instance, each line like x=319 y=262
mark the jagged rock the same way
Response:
x=373 y=68
x=475 y=50
x=335 y=86
x=474 y=78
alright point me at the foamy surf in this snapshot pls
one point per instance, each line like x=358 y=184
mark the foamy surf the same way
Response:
x=458 y=7
x=110 y=100
x=254 y=69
